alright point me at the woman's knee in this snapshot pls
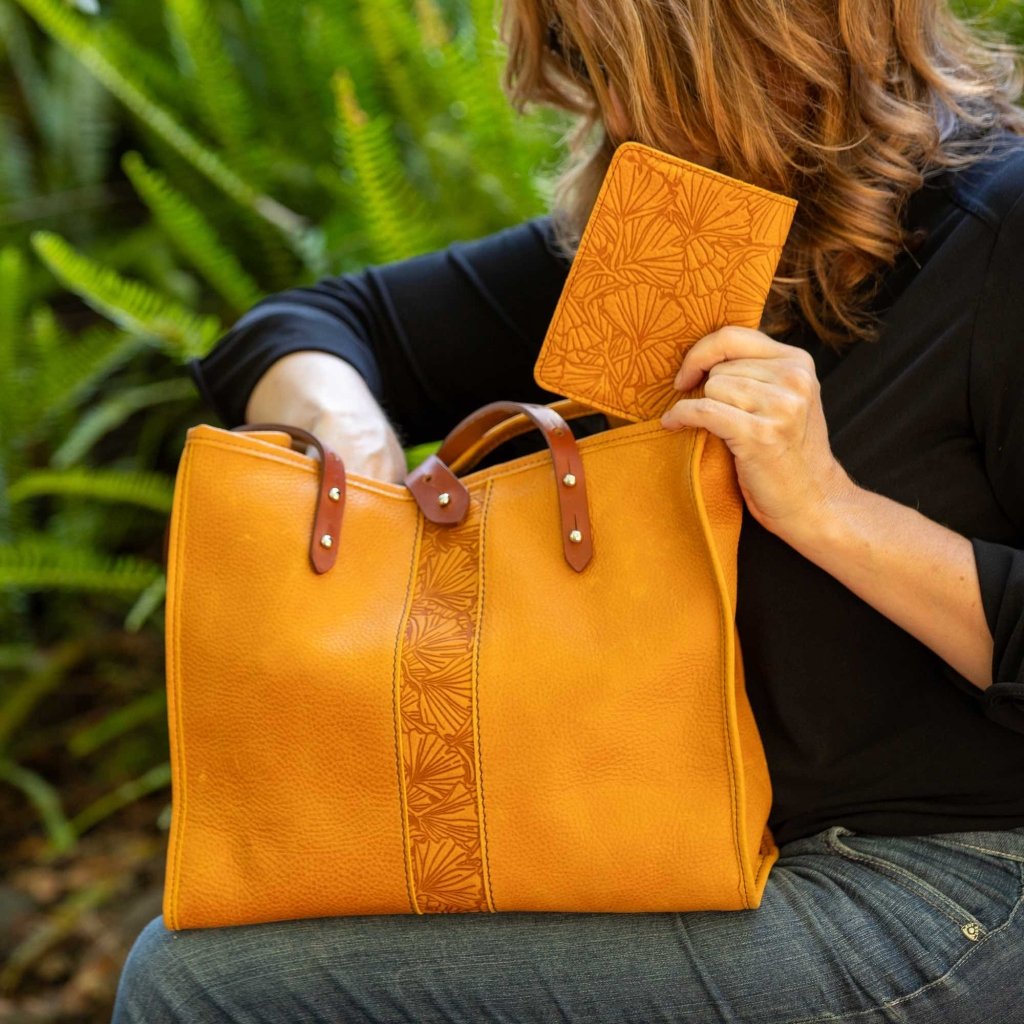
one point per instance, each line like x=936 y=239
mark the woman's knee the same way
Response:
x=159 y=982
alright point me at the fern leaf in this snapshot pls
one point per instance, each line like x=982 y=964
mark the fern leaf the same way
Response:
x=82 y=122
x=16 y=174
x=148 y=602
x=70 y=369
x=189 y=230
x=157 y=778
x=13 y=289
x=129 y=304
x=112 y=411
x=221 y=99
x=397 y=223
x=297 y=114
x=37 y=562
x=45 y=799
x=136 y=487
x=13 y=278
x=88 y=45
x=116 y=723
x=395 y=39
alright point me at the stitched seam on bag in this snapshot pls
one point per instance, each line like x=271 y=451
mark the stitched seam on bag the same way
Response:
x=593 y=442
x=919 y=887
x=175 y=678
x=853 y=1015
x=698 y=495
x=396 y=714
x=351 y=480
x=484 y=844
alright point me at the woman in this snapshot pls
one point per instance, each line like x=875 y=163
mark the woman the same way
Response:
x=877 y=421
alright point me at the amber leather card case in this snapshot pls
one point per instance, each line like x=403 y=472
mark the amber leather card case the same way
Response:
x=671 y=252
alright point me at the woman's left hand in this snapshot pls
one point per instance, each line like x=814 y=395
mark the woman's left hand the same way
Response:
x=763 y=399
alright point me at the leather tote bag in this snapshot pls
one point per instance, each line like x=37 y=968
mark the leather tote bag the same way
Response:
x=515 y=688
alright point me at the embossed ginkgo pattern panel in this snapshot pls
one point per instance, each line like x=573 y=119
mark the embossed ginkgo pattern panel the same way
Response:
x=672 y=251
x=437 y=729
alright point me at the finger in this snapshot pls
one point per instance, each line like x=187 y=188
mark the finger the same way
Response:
x=755 y=369
x=750 y=394
x=731 y=342
x=728 y=422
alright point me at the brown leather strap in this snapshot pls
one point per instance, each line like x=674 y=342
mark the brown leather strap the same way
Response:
x=330 y=505
x=567 y=408
x=440 y=494
x=570 y=482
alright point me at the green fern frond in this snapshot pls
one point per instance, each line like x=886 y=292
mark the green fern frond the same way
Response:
x=13 y=290
x=136 y=487
x=397 y=223
x=89 y=46
x=46 y=800
x=81 y=122
x=13 y=293
x=129 y=304
x=433 y=28
x=38 y=562
x=157 y=778
x=16 y=172
x=220 y=97
x=148 y=602
x=90 y=738
x=46 y=338
x=189 y=230
x=295 y=114
x=70 y=369
x=397 y=44
x=102 y=417
x=333 y=40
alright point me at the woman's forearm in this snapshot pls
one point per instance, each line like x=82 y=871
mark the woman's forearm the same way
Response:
x=915 y=571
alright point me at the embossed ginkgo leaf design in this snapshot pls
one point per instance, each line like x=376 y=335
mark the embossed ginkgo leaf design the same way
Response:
x=671 y=252
x=435 y=709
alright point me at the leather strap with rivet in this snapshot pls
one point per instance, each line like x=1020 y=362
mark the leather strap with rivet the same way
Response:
x=330 y=504
x=444 y=499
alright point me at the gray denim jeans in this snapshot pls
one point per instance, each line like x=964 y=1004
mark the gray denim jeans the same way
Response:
x=853 y=929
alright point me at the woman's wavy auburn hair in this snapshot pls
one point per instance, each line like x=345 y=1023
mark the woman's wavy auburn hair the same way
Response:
x=846 y=105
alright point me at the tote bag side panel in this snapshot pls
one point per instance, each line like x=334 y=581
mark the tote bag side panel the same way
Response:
x=287 y=795
x=722 y=499
x=602 y=729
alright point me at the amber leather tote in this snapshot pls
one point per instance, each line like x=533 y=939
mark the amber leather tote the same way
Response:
x=510 y=688
x=670 y=252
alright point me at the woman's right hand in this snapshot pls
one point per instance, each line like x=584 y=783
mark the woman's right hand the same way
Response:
x=327 y=396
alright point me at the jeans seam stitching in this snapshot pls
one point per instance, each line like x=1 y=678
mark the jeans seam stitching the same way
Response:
x=1017 y=858
x=899 y=873
x=889 y=1004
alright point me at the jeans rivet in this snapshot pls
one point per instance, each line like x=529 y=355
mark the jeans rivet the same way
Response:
x=971 y=930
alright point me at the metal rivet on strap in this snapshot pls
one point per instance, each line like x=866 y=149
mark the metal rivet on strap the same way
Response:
x=326 y=540
x=443 y=498
x=569 y=480
x=575 y=536
x=334 y=494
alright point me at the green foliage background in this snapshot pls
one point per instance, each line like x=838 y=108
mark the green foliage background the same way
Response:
x=162 y=167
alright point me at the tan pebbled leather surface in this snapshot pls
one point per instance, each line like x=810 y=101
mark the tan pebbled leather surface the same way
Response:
x=671 y=251
x=453 y=718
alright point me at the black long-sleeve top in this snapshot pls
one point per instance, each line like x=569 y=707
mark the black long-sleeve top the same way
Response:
x=862 y=724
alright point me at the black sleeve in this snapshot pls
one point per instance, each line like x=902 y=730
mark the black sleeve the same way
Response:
x=435 y=336
x=997 y=402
